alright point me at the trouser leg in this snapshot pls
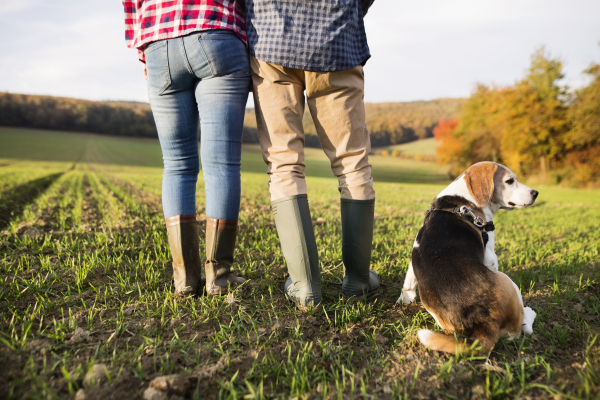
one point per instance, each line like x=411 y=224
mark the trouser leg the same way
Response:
x=335 y=100
x=279 y=102
x=176 y=118
x=221 y=103
x=336 y=103
x=279 y=105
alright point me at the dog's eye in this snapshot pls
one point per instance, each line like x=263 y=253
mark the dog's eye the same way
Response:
x=510 y=181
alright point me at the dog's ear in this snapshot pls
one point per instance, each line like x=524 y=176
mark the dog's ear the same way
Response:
x=480 y=182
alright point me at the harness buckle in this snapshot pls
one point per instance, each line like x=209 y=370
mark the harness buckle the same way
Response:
x=478 y=221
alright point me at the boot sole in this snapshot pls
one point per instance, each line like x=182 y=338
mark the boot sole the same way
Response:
x=184 y=294
x=364 y=297
x=218 y=292
x=316 y=309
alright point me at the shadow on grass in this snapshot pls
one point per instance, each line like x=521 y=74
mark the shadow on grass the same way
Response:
x=14 y=200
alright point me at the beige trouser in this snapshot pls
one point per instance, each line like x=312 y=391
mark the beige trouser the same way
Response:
x=335 y=101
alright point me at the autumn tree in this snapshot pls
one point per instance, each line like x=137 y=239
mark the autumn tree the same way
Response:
x=477 y=135
x=582 y=142
x=448 y=146
x=533 y=117
x=522 y=126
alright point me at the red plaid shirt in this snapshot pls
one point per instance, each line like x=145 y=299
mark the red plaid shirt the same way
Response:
x=151 y=20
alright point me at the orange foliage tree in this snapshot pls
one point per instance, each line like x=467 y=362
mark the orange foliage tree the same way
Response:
x=522 y=126
x=448 y=147
x=583 y=140
x=477 y=135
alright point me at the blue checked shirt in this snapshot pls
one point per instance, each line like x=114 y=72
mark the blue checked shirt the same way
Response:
x=313 y=35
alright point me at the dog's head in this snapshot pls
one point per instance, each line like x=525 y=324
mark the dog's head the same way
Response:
x=495 y=185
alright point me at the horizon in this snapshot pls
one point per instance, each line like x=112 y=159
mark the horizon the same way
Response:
x=247 y=106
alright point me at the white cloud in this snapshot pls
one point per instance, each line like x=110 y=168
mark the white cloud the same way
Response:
x=84 y=56
x=15 y=6
x=424 y=50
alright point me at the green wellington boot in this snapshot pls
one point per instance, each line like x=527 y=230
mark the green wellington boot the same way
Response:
x=183 y=243
x=295 y=230
x=220 y=246
x=357 y=237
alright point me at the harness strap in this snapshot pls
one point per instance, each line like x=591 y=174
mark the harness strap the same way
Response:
x=466 y=213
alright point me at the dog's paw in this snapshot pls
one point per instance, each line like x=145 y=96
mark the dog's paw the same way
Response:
x=425 y=336
x=528 y=318
x=490 y=260
x=407 y=297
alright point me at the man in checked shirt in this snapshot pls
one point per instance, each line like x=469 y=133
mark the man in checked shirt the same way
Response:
x=315 y=49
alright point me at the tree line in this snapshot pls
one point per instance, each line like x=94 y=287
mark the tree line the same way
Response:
x=536 y=127
x=388 y=123
x=66 y=114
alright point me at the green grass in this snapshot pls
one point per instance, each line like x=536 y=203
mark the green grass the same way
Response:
x=35 y=144
x=83 y=249
x=98 y=149
x=424 y=147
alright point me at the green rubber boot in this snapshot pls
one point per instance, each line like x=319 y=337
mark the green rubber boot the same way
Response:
x=357 y=237
x=295 y=230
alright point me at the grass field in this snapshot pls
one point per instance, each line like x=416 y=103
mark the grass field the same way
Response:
x=424 y=147
x=85 y=289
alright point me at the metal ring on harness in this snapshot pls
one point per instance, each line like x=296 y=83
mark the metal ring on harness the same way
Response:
x=478 y=221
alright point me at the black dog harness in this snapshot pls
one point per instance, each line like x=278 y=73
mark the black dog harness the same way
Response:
x=468 y=214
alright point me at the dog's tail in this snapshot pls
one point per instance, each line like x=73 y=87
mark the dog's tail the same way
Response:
x=440 y=342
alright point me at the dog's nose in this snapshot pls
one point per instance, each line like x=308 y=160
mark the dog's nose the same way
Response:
x=535 y=193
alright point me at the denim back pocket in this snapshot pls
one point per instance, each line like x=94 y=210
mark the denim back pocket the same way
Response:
x=157 y=65
x=226 y=54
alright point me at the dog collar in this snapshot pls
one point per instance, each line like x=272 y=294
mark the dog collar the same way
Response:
x=468 y=214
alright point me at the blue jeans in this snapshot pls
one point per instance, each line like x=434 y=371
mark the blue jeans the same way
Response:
x=203 y=75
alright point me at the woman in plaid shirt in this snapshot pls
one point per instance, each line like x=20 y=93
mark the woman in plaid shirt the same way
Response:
x=195 y=57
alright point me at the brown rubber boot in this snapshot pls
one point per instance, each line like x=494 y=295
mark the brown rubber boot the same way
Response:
x=220 y=245
x=183 y=242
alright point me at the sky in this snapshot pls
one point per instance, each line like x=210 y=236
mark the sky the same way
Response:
x=421 y=50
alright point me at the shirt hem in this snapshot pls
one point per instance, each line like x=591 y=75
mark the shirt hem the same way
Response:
x=312 y=69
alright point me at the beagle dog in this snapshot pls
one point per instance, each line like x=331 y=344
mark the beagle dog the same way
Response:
x=454 y=263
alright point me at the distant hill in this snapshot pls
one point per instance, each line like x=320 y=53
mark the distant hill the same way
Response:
x=118 y=118
x=388 y=123
x=396 y=123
